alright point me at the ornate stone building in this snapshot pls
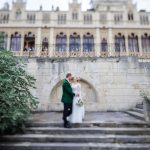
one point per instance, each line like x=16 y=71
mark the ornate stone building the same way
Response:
x=109 y=28
x=108 y=46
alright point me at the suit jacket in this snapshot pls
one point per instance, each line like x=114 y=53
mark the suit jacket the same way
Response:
x=68 y=94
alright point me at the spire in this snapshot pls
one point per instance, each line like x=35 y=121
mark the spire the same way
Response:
x=74 y=1
x=92 y=4
x=19 y=1
x=41 y=7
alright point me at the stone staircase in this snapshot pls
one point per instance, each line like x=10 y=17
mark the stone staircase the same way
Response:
x=86 y=136
x=137 y=112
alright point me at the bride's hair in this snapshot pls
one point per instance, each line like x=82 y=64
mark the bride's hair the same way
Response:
x=75 y=79
x=72 y=79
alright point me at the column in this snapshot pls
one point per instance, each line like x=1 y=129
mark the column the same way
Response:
x=110 y=42
x=8 y=41
x=38 y=42
x=126 y=44
x=68 y=36
x=51 y=45
x=140 y=44
x=22 y=43
x=97 y=43
x=81 y=50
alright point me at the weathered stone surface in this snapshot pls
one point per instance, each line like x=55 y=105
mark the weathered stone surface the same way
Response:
x=107 y=84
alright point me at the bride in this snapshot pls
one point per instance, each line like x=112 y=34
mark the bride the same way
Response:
x=78 y=111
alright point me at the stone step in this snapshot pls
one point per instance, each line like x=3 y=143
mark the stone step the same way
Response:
x=139 y=106
x=92 y=124
x=138 y=110
x=45 y=138
x=73 y=146
x=75 y=131
x=136 y=115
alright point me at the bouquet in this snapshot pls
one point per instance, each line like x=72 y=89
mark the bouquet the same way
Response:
x=79 y=103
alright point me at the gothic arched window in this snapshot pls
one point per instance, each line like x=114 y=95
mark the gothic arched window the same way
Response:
x=133 y=43
x=104 y=45
x=61 y=42
x=15 y=42
x=88 y=43
x=29 y=42
x=120 y=43
x=74 y=43
x=145 y=42
x=3 y=40
x=45 y=44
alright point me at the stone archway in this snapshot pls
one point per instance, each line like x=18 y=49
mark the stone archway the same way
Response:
x=89 y=94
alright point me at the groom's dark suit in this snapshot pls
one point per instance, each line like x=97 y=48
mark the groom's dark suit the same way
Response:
x=67 y=99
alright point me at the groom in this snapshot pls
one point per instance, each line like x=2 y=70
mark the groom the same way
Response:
x=67 y=99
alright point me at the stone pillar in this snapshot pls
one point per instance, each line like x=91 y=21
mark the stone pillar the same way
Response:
x=110 y=43
x=97 y=43
x=68 y=36
x=81 y=50
x=9 y=41
x=140 y=44
x=126 y=44
x=22 y=43
x=51 y=45
x=38 y=42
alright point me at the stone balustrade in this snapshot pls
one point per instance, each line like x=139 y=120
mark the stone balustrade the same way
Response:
x=65 y=54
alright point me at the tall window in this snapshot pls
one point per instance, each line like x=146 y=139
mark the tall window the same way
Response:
x=104 y=45
x=145 y=42
x=45 y=44
x=3 y=40
x=31 y=18
x=46 y=17
x=4 y=18
x=88 y=19
x=144 y=20
x=103 y=18
x=74 y=43
x=61 y=42
x=62 y=19
x=74 y=16
x=88 y=43
x=130 y=16
x=15 y=42
x=29 y=42
x=18 y=14
x=133 y=43
x=118 y=18
x=120 y=43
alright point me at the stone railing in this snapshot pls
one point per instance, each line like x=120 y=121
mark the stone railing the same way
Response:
x=145 y=55
x=53 y=53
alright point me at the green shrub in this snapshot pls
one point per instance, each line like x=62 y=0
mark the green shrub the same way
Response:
x=16 y=100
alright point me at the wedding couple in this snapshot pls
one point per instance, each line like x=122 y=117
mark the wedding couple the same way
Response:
x=72 y=100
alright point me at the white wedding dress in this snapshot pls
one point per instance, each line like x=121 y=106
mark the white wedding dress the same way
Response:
x=78 y=112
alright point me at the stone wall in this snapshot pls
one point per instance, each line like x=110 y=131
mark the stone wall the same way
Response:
x=107 y=84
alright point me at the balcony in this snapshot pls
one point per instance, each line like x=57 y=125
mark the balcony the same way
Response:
x=92 y=52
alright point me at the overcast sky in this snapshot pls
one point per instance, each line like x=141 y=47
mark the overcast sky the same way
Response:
x=63 y=4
